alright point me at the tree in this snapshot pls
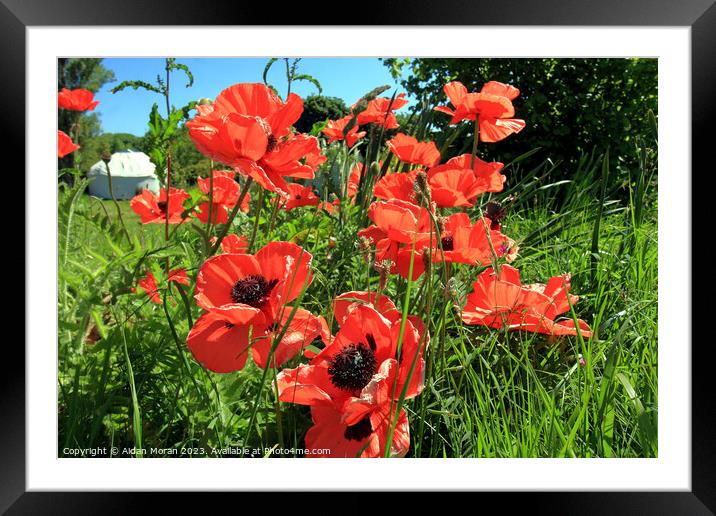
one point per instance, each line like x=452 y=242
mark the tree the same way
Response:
x=317 y=108
x=571 y=106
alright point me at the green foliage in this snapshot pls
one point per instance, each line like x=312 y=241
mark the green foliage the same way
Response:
x=318 y=108
x=162 y=133
x=571 y=105
x=292 y=75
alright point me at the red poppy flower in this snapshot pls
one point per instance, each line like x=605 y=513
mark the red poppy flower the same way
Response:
x=464 y=242
x=503 y=302
x=397 y=224
x=334 y=130
x=354 y=180
x=302 y=330
x=152 y=209
x=226 y=191
x=344 y=368
x=355 y=382
x=344 y=303
x=399 y=185
x=378 y=113
x=456 y=184
x=401 y=221
x=409 y=150
x=149 y=285
x=364 y=431
x=76 y=100
x=300 y=196
x=219 y=339
x=245 y=128
x=65 y=145
x=314 y=158
x=492 y=107
x=233 y=243
x=178 y=276
x=265 y=281
x=285 y=160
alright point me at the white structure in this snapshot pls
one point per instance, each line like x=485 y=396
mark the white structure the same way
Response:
x=132 y=172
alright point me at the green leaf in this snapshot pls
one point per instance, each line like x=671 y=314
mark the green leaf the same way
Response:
x=311 y=79
x=135 y=85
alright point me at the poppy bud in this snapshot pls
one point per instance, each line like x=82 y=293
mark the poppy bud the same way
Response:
x=422 y=190
x=106 y=157
x=331 y=242
x=426 y=259
x=383 y=268
x=364 y=246
x=204 y=101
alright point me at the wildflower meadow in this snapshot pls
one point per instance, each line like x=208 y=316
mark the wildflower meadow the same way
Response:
x=447 y=266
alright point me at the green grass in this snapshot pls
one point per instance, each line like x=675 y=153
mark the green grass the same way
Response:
x=127 y=379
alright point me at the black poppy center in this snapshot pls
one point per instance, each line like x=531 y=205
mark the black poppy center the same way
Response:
x=272 y=143
x=162 y=205
x=353 y=367
x=252 y=290
x=359 y=431
x=447 y=243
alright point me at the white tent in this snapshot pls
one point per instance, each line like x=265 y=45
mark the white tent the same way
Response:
x=132 y=172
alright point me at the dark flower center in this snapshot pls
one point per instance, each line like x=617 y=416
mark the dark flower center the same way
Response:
x=352 y=368
x=495 y=212
x=359 y=431
x=272 y=143
x=447 y=243
x=162 y=205
x=252 y=290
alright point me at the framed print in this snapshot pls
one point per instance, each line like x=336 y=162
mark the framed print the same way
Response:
x=441 y=240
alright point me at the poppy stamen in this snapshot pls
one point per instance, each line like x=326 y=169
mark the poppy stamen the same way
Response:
x=252 y=290
x=162 y=205
x=447 y=243
x=353 y=367
x=360 y=430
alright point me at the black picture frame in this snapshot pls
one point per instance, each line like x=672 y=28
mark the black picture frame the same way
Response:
x=700 y=15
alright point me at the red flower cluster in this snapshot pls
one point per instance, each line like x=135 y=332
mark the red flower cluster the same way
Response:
x=245 y=300
x=249 y=129
x=354 y=384
x=452 y=184
x=335 y=128
x=378 y=111
x=400 y=225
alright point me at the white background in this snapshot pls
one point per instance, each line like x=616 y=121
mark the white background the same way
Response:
x=671 y=470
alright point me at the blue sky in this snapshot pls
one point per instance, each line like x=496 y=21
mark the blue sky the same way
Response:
x=127 y=111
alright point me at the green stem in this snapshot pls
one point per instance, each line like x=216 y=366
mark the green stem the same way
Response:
x=232 y=216
x=256 y=221
x=116 y=204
